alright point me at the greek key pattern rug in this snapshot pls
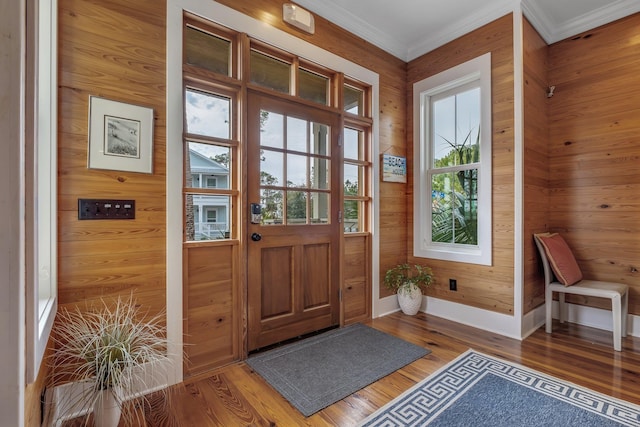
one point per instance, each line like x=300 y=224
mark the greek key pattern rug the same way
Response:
x=480 y=390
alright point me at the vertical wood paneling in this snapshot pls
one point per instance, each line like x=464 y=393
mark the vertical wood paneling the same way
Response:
x=488 y=287
x=115 y=50
x=594 y=150
x=211 y=307
x=356 y=296
x=535 y=161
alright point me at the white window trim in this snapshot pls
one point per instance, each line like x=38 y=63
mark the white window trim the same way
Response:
x=41 y=182
x=475 y=69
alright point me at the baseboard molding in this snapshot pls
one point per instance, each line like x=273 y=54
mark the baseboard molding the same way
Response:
x=507 y=325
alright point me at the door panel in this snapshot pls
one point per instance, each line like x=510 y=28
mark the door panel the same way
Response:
x=293 y=250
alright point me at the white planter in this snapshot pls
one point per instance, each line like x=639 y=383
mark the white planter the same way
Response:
x=106 y=410
x=410 y=301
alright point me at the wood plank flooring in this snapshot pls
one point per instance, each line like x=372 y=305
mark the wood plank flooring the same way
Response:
x=236 y=396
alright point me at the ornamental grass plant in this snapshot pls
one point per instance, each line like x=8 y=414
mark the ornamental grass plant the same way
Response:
x=112 y=348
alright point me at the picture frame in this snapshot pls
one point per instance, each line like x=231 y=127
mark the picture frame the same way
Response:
x=120 y=136
x=394 y=168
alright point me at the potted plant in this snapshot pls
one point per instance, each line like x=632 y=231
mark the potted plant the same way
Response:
x=111 y=354
x=408 y=282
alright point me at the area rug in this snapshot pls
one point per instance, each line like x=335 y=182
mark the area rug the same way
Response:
x=318 y=371
x=479 y=390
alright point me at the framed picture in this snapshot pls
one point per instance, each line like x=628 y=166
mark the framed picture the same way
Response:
x=394 y=168
x=120 y=136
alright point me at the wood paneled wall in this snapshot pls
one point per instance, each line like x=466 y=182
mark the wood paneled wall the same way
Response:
x=594 y=150
x=535 y=161
x=487 y=287
x=115 y=50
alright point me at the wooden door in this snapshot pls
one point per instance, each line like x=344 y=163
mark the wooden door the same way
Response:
x=293 y=248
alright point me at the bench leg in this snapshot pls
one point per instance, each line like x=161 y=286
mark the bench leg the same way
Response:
x=617 y=323
x=548 y=303
x=625 y=312
x=562 y=307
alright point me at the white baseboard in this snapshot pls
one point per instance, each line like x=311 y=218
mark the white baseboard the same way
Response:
x=507 y=325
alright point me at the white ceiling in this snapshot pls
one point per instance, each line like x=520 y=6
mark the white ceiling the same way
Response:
x=410 y=28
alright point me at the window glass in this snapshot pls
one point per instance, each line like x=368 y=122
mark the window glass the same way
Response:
x=352 y=174
x=353 y=100
x=352 y=218
x=297 y=171
x=312 y=86
x=272 y=129
x=270 y=72
x=319 y=208
x=207 y=217
x=207 y=51
x=296 y=207
x=353 y=144
x=208 y=114
x=271 y=168
x=272 y=202
x=209 y=166
x=319 y=139
x=456 y=129
x=297 y=134
x=454 y=207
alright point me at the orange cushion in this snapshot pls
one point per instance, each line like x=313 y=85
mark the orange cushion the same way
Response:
x=562 y=261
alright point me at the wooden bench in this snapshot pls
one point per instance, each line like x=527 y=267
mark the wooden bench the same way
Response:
x=618 y=293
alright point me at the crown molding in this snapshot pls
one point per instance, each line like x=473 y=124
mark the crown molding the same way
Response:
x=552 y=33
x=550 y=30
x=356 y=25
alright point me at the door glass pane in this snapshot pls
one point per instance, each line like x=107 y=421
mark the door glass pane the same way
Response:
x=208 y=163
x=351 y=221
x=296 y=134
x=297 y=171
x=207 y=217
x=270 y=72
x=353 y=100
x=271 y=168
x=271 y=129
x=207 y=51
x=272 y=202
x=454 y=207
x=320 y=173
x=352 y=174
x=296 y=207
x=208 y=114
x=353 y=144
x=320 y=139
x=456 y=129
x=319 y=208
x=312 y=87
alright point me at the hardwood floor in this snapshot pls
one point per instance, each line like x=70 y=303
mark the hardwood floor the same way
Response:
x=236 y=396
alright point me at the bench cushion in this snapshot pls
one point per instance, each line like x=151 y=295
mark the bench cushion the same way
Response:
x=562 y=261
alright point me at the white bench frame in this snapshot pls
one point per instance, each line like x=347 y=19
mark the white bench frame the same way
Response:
x=618 y=293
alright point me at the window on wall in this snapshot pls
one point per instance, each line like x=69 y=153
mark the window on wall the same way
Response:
x=41 y=228
x=452 y=219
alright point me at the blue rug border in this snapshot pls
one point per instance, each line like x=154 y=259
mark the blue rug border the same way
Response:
x=467 y=356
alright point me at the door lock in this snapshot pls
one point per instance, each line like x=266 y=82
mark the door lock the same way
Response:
x=256 y=237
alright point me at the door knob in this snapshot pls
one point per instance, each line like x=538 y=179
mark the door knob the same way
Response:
x=256 y=237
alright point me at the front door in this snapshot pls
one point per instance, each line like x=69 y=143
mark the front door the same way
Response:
x=293 y=179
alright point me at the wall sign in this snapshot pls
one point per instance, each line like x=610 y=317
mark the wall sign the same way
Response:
x=394 y=168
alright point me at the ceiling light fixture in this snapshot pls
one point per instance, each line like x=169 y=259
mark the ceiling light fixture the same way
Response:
x=298 y=17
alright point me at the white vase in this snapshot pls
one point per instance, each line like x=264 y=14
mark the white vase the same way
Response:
x=106 y=410
x=410 y=300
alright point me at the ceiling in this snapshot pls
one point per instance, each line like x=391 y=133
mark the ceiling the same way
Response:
x=409 y=28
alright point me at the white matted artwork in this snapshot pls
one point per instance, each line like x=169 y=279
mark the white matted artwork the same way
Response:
x=120 y=136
